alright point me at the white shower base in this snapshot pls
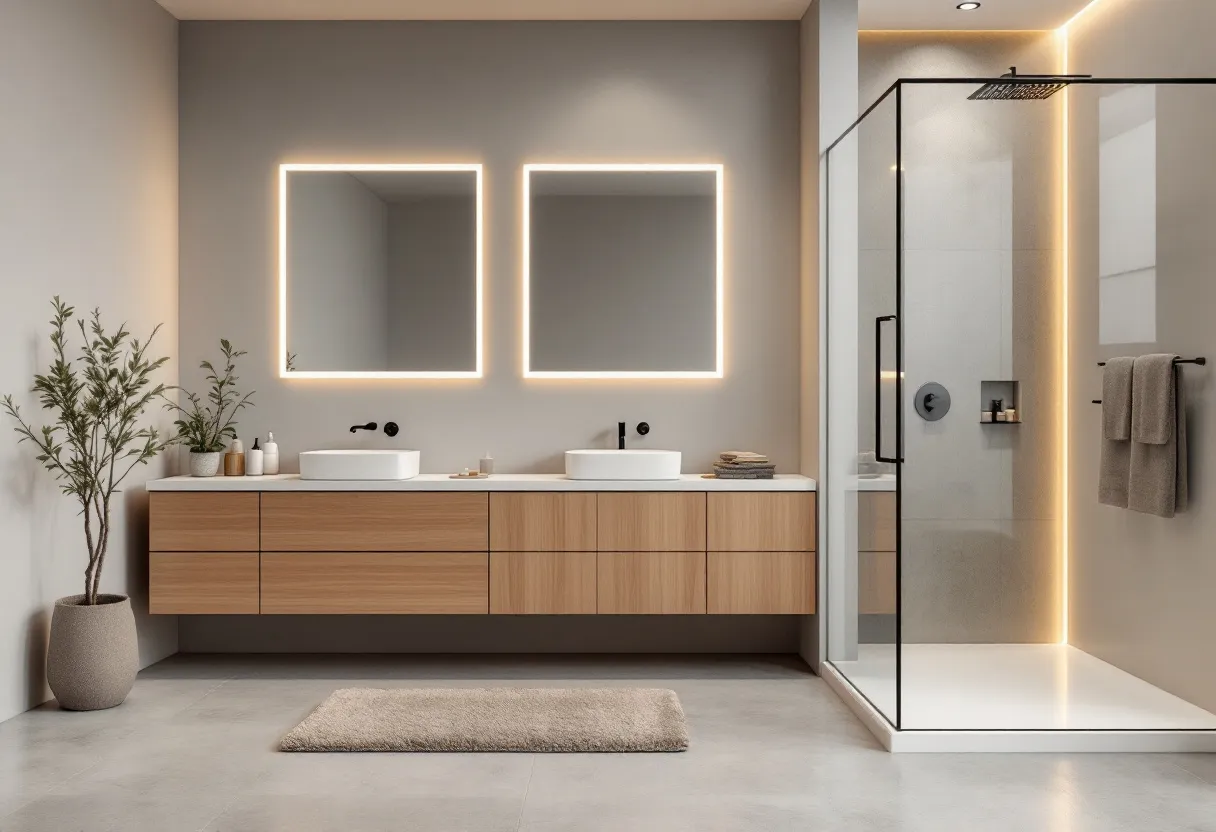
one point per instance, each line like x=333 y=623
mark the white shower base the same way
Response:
x=1015 y=697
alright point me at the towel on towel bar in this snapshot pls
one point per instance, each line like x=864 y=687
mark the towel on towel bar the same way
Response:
x=1115 y=464
x=1157 y=480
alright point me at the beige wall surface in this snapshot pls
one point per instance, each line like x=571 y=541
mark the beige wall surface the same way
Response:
x=88 y=210
x=1140 y=586
x=981 y=262
x=254 y=95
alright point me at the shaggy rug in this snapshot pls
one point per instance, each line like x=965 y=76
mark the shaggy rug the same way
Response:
x=493 y=719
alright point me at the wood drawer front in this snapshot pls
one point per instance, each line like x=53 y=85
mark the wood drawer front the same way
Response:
x=876 y=583
x=542 y=583
x=202 y=522
x=651 y=583
x=649 y=522
x=374 y=522
x=762 y=522
x=876 y=521
x=455 y=583
x=542 y=522
x=761 y=583
x=203 y=583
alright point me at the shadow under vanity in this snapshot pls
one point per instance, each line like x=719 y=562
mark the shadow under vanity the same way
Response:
x=512 y=545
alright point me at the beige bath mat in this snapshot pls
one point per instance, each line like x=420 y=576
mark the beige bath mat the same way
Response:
x=493 y=719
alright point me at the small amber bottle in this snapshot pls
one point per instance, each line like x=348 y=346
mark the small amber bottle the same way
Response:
x=234 y=460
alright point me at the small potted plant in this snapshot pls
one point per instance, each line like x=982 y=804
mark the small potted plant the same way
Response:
x=93 y=442
x=206 y=428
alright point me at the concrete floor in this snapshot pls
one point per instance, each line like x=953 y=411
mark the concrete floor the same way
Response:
x=772 y=749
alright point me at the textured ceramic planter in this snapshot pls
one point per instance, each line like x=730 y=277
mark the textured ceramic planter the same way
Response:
x=94 y=652
x=205 y=464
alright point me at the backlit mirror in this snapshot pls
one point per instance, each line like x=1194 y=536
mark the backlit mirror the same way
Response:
x=623 y=271
x=380 y=271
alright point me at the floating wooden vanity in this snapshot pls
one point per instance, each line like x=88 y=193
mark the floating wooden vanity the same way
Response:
x=511 y=545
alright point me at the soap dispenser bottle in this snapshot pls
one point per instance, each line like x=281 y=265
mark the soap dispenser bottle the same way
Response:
x=253 y=460
x=234 y=460
x=270 y=455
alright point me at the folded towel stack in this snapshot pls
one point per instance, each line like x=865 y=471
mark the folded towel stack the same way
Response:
x=743 y=465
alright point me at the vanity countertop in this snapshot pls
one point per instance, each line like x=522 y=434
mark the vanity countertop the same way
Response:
x=497 y=482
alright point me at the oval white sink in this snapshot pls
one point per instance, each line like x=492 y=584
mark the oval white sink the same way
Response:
x=623 y=465
x=359 y=465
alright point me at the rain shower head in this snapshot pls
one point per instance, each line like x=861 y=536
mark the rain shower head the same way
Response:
x=1025 y=88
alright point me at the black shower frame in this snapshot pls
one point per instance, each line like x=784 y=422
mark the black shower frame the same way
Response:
x=897 y=90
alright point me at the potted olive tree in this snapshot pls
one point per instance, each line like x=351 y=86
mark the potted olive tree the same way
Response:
x=96 y=402
x=206 y=427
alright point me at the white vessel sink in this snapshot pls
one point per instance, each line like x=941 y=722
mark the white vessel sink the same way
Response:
x=359 y=465
x=623 y=465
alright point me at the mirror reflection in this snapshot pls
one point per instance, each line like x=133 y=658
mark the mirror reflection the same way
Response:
x=623 y=271
x=381 y=271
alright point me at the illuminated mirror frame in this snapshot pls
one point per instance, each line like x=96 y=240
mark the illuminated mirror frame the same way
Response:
x=286 y=169
x=720 y=283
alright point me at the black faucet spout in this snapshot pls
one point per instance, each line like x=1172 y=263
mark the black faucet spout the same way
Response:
x=368 y=426
x=620 y=436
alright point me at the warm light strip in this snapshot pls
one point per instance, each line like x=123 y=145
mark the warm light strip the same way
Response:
x=284 y=170
x=1064 y=29
x=1065 y=281
x=720 y=281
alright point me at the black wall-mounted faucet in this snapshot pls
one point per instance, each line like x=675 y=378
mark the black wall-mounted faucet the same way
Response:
x=643 y=429
x=368 y=426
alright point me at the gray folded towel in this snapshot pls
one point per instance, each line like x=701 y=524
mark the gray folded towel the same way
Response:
x=1117 y=398
x=1157 y=481
x=1114 y=467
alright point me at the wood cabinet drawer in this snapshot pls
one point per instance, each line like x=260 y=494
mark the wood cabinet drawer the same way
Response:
x=542 y=583
x=203 y=583
x=762 y=522
x=202 y=522
x=761 y=583
x=542 y=522
x=454 y=583
x=876 y=521
x=649 y=522
x=651 y=583
x=876 y=587
x=374 y=522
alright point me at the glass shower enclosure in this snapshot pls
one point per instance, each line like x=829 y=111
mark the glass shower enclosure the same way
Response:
x=989 y=241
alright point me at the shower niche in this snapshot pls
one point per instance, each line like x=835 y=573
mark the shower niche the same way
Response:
x=1009 y=396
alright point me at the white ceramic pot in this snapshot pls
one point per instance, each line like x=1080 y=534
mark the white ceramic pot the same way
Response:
x=204 y=464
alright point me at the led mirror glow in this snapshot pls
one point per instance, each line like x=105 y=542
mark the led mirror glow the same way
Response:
x=623 y=271
x=381 y=271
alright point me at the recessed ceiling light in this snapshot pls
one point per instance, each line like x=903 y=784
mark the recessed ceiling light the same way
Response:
x=968 y=7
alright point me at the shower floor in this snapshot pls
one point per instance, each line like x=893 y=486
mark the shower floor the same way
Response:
x=1015 y=687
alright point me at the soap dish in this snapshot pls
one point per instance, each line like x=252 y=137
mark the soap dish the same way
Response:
x=472 y=475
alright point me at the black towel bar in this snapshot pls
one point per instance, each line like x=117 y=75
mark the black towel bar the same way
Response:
x=1201 y=361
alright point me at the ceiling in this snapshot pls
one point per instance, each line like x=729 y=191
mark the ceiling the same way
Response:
x=875 y=14
x=943 y=14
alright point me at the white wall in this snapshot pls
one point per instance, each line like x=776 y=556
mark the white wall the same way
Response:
x=88 y=210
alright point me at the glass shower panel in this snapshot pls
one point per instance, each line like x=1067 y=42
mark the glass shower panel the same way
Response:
x=863 y=411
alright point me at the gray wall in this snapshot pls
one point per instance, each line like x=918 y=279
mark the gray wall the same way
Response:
x=254 y=95
x=338 y=273
x=88 y=210
x=980 y=506
x=623 y=283
x=432 y=288
x=1140 y=586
